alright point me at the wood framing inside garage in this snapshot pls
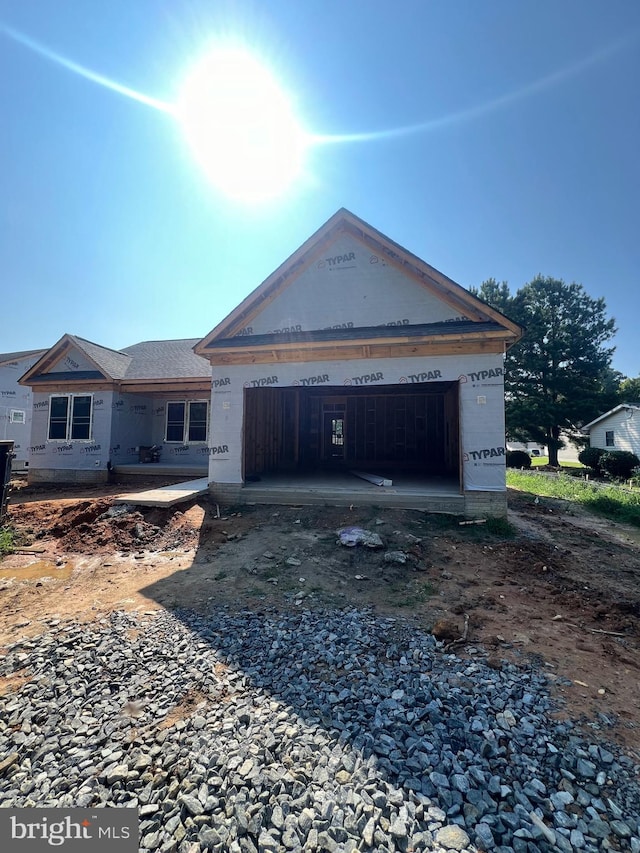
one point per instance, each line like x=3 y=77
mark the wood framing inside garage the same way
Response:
x=386 y=428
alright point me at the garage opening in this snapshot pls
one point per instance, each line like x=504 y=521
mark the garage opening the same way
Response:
x=395 y=428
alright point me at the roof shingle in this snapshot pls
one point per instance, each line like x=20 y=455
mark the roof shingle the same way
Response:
x=166 y=360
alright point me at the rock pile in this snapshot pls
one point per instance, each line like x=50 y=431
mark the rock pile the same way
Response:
x=327 y=731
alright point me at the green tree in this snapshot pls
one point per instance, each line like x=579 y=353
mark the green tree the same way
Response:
x=630 y=391
x=559 y=375
x=497 y=295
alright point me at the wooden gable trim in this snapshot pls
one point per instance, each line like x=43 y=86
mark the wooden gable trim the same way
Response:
x=271 y=287
x=158 y=386
x=349 y=351
x=439 y=285
x=47 y=360
x=435 y=282
x=54 y=355
x=88 y=386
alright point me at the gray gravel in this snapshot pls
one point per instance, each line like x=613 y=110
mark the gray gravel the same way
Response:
x=316 y=731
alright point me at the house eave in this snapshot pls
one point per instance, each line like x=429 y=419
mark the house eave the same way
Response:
x=622 y=406
x=366 y=342
x=167 y=384
x=357 y=350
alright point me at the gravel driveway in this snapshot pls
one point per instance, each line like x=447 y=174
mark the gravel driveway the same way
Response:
x=303 y=730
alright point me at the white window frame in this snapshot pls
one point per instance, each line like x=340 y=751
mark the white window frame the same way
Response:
x=186 y=422
x=607 y=433
x=69 y=425
x=17 y=416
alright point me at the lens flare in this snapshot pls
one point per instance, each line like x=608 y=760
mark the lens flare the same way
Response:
x=241 y=126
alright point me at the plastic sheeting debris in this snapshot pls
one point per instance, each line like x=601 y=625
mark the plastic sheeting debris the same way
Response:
x=352 y=536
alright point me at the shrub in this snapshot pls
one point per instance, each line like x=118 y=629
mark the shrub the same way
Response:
x=518 y=459
x=591 y=456
x=7 y=541
x=619 y=463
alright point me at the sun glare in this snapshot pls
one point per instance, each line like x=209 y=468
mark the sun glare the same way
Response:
x=240 y=125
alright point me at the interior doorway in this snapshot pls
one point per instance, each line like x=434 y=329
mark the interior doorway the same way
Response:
x=333 y=433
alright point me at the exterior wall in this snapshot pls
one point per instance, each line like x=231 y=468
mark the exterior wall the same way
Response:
x=16 y=398
x=122 y=423
x=350 y=287
x=626 y=431
x=485 y=504
x=55 y=475
x=195 y=453
x=70 y=461
x=140 y=420
x=131 y=416
x=481 y=384
x=73 y=361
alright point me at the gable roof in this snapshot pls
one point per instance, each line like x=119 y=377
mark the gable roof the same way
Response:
x=149 y=360
x=18 y=356
x=343 y=221
x=621 y=407
x=107 y=363
x=112 y=363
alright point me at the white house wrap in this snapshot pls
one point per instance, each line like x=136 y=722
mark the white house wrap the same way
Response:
x=356 y=354
x=353 y=355
x=16 y=404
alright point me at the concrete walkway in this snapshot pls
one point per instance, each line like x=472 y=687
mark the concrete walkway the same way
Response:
x=166 y=495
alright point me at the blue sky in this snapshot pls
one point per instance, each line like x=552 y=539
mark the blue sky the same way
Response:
x=110 y=230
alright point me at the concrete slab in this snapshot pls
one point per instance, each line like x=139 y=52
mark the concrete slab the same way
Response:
x=325 y=488
x=167 y=495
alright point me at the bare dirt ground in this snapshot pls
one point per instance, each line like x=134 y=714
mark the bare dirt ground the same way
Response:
x=560 y=591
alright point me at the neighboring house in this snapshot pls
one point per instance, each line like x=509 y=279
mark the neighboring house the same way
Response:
x=97 y=409
x=356 y=354
x=531 y=447
x=16 y=404
x=617 y=429
x=568 y=453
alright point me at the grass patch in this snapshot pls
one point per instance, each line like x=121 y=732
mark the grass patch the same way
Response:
x=541 y=461
x=608 y=501
x=500 y=527
x=488 y=528
x=7 y=541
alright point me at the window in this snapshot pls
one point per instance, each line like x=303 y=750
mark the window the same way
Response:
x=609 y=438
x=175 y=421
x=17 y=417
x=187 y=421
x=70 y=417
x=197 y=421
